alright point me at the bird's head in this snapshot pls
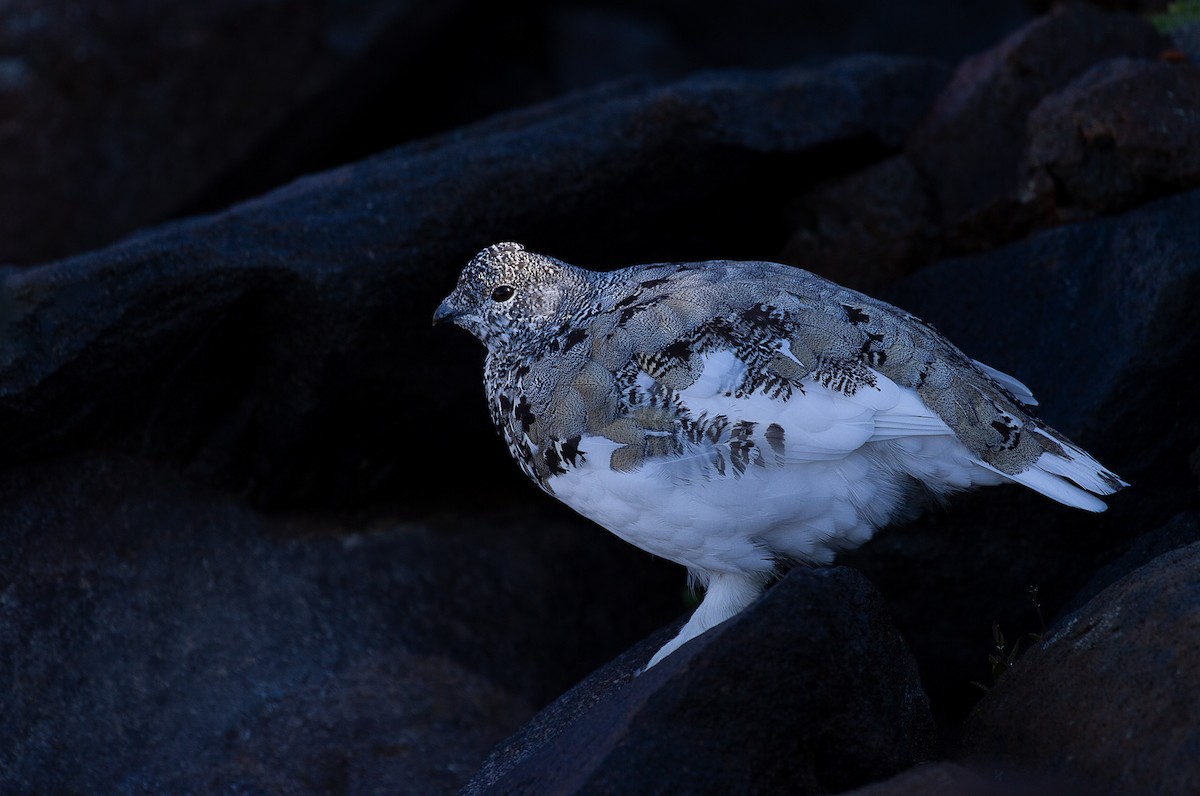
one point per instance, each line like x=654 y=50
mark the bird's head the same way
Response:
x=506 y=292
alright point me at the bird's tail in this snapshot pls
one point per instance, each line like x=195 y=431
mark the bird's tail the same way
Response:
x=1067 y=473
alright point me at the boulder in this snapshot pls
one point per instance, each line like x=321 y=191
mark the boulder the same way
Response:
x=283 y=347
x=118 y=114
x=952 y=779
x=1123 y=132
x=810 y=690
x=1096 y=318
x=1029 y=134
x=865 y=230
x=157 y=636
x=969 y=147
x=1183 y=529
x=1108 y=696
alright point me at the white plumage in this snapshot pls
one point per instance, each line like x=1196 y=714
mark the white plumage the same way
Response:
x=734 y=416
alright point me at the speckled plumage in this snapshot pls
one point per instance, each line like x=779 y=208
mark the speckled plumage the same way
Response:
x=730 y=416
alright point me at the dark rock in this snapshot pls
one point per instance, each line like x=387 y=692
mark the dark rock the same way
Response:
x=1182 y=530
x=864 y=230
x=1187 y=39
x=952 y=779
x=767 y=34
x=118 y=114
x=592 y=44
x=970 y=145
x=1136 y=6
x=1121 y=133
x=1027 y=136
x=158 y=637
x=284 y=347
x=1108 y=696
x=495 y=58
x=1097 y=318
x=810 y=690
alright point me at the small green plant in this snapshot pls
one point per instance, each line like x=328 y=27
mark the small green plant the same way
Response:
x=1002 y=657
x=1178 y=15
x=1037 y=609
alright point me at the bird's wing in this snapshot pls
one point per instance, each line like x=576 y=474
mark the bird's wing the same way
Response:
x=730 y=355
x=812 y=420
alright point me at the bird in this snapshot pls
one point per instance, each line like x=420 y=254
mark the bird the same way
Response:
x=742 y=417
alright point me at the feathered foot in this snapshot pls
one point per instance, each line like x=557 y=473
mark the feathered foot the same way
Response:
x=725 y=595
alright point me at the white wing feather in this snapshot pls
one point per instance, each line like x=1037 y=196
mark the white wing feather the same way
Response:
x=822 y=423
x=1014 y=386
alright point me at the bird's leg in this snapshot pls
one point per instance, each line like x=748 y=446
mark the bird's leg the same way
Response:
x=725 y=595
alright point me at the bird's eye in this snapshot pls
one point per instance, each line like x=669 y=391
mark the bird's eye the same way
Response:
x=502 y=293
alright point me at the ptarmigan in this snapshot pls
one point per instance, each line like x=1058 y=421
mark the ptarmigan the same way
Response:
x=733 y=416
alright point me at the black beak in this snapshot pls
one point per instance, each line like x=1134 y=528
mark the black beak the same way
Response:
x=445 y=312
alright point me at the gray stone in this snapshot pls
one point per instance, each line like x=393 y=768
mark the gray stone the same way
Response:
x=810 y=690
x=1182 y=530
x=156 y=636
x=953 y=779
x=864 y=230
x=969 y=147
x=1097 y=318
x=1124 y=131
x=118 y=114
x=1108 y=696
x=284 y=346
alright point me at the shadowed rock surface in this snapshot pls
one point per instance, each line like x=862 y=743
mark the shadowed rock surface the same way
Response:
x=1182 y=530
x=952 y=779
x=1077 y=114
x=750 y=707
x=1096 y=319
x=867 y=229
x=1124 y=131
x=158 y=636
x=970 y=145
x=312 y=305
x=115 y=114
x=1119 y=671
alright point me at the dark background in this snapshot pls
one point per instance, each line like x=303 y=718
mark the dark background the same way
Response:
x=257 y=533
x=123 y=114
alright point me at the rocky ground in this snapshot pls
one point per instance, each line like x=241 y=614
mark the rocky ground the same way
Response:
x=258 y=536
